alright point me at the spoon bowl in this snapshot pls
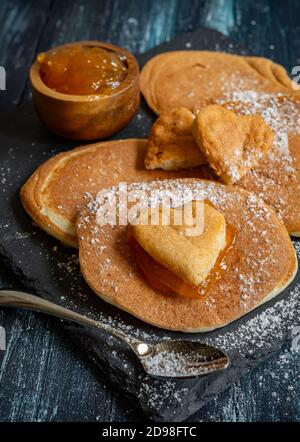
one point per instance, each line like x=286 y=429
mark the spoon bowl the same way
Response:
x=182 y=359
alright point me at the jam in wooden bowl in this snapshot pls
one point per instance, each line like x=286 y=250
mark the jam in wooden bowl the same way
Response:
x=85 y=90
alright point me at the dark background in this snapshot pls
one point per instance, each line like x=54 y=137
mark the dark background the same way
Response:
x=42 y=374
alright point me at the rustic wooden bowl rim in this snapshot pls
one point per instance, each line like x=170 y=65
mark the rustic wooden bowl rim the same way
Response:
x=133 y=72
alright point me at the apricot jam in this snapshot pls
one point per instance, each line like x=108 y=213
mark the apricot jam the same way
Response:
x=82 y=70
x=168 y=282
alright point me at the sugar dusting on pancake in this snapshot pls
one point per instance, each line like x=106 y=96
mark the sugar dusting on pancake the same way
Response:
x=280 y=112
x=258 y=334
x=56 y=191
x=276 y=179
x=196 y=78
x=232 y=144
x=260 y=266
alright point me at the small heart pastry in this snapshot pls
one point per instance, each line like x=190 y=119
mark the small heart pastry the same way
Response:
x=171 y=145
x=187 y=242
x=232 y=144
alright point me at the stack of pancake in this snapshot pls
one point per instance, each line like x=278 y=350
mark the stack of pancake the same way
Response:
x=227 y=133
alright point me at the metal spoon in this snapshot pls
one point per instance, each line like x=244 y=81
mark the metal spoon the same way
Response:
x=171 y=359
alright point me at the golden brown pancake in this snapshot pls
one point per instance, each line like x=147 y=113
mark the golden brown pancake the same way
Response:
x=276 y=178
x=57 y=190
x=232 y=144
x=258 y=267
x=194 y=79
x=171 y=145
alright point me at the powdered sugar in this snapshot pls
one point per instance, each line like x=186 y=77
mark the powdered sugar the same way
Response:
x=258 y=334
x=246 y=275
x=280 y=113
x=261 y=333
x=276 y=178
x=186 y=361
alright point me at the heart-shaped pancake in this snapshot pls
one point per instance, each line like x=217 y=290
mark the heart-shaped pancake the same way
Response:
x=186 y=245
x=232 y=144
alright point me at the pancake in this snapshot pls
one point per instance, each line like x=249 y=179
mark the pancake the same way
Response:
x=258 y=267
x=232 y=144
x=171 y=145
x=276 y=178
x=194 y=79
x=57 y=190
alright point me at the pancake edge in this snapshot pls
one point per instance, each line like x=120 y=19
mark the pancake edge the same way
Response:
x=282 y=78
x=35 y=206
x=275 y=292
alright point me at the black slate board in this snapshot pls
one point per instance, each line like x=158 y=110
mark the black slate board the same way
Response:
x=45 y=267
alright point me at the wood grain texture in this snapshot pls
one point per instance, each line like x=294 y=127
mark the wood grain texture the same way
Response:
x=42 y=375
x=21 y=27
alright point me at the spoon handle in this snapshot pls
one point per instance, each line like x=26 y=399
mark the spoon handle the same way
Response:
x=12 y=298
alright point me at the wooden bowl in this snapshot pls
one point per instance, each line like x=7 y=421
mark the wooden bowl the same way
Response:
x=87 y=117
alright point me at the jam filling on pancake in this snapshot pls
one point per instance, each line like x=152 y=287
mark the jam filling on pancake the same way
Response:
x=168 y=282
x=82 y=70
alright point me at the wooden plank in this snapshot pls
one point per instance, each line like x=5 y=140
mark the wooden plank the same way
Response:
x=22 y=24
x=42 y=375
x=44 y=378
x=270 y=29
x=120 y=22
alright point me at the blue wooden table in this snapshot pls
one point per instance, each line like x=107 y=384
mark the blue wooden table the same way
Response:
x=43 y=377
